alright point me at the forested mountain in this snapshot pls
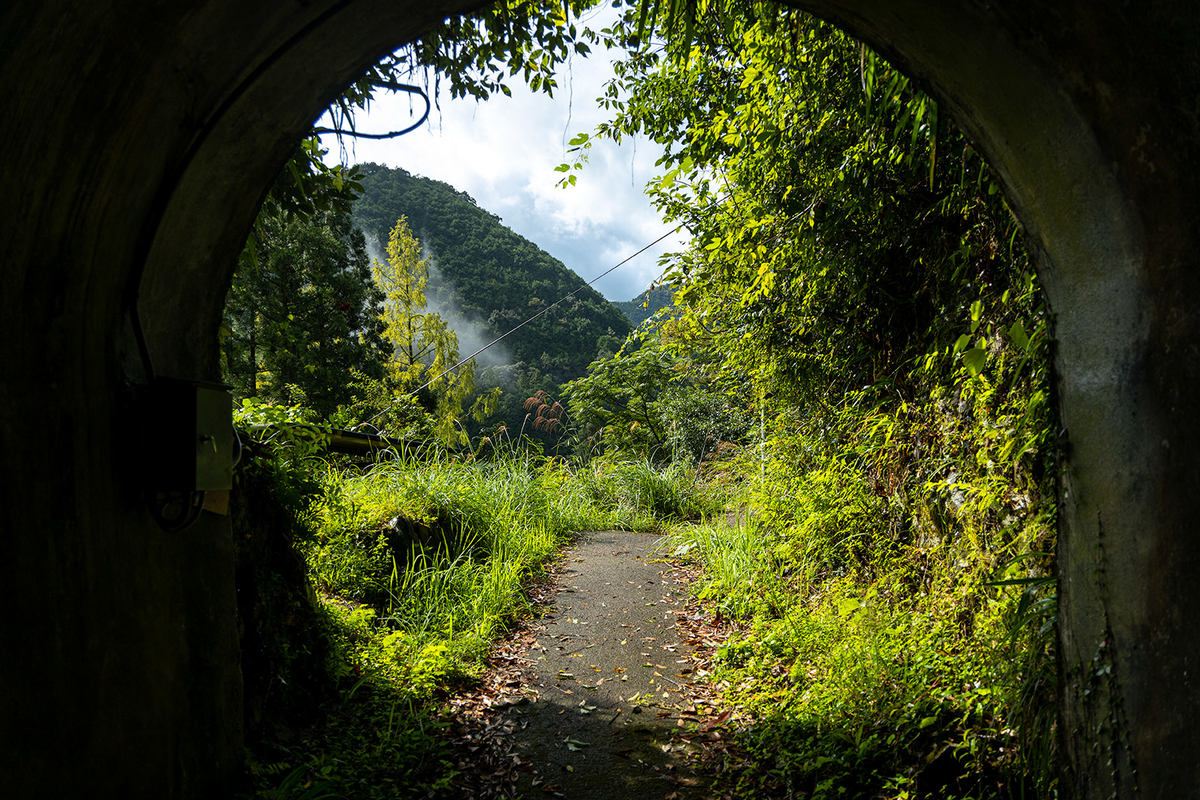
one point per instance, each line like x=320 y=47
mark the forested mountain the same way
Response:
x=492 y=276
x=647 y=304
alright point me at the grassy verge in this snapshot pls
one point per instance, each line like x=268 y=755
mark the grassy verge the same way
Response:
x=417 y=567
x=899 y=670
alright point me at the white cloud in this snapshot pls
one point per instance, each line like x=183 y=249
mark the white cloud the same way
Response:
x=503 y=153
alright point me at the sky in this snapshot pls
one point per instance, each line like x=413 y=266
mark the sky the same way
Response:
x=503 y=153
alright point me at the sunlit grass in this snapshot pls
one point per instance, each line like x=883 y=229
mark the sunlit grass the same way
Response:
x=871 y=666
x=732 y=559
x=419 y=567
x=434 y=554
x=440 y=551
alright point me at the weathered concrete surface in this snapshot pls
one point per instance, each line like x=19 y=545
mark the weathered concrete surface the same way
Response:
x=139 y=138
x=607 y=669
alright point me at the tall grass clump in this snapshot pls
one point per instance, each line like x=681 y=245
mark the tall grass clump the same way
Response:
x=894 y=585
x=437 y=552
x=640 y=495
x=736 y=570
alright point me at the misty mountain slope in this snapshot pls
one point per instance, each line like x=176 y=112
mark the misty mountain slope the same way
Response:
x=491 y=276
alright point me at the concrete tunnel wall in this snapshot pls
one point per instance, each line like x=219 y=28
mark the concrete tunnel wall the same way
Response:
x=140 y=139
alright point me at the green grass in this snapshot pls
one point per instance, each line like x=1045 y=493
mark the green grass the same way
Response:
x=640 y=495
x=439 y=553
x=875 y=680
x=897 y=614
x=483 y=529
x=418 y=568
x=733 y=563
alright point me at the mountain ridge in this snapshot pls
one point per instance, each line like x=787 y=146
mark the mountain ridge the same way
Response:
x=491 y=274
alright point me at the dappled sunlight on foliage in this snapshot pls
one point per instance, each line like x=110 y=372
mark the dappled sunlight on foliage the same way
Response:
x=860 y=284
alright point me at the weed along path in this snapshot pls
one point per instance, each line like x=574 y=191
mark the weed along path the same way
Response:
x=612 y=677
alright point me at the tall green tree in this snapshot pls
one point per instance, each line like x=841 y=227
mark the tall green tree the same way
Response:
x=424 y=347
x=493 y=276
x=842 y=227
x=302 y=319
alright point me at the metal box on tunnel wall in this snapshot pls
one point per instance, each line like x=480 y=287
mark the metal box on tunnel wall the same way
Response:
x=188 y=436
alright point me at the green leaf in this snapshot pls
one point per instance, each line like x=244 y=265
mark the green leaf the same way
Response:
x=974 y=359
x=849 y=605
x=1042 y=581
x=1018 y=336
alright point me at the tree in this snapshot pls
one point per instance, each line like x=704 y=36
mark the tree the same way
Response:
x=425 y=349
x=303 y=314
x=491 y=276
x=647 y=400
x=842 y=227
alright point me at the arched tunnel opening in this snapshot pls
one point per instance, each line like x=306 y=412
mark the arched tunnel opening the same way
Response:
x=142 y=142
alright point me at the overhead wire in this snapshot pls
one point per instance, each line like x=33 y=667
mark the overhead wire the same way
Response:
x=548 y=308
x=544 y=311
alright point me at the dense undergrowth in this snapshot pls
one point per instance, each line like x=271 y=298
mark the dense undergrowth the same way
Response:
x=897 y=613
x=415 y=568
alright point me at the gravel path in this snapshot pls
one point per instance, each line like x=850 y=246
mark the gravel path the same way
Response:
x=611 y=677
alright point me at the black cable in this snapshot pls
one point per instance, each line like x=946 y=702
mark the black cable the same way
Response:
x=395 y=87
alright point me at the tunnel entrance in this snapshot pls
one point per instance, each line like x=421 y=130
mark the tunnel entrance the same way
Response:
x=167 y=127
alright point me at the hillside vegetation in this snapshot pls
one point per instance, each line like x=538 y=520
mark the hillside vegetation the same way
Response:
x=491 y=275
x=647 y=304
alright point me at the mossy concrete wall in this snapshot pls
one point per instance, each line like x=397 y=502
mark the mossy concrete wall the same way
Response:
x=140 y=138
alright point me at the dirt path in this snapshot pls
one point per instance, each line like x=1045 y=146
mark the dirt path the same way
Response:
x=611 y=678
